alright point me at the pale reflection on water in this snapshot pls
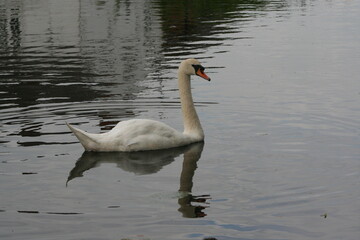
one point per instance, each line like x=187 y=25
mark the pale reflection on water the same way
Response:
x=281 y=118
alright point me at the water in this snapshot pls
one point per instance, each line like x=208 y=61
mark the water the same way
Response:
x=281 y=118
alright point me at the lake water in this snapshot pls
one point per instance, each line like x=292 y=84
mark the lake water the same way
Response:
x=281 y=118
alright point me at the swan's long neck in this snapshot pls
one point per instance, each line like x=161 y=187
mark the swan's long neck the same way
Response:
x=191 y=120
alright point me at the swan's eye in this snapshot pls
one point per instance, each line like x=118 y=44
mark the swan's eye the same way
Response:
x=198 y=67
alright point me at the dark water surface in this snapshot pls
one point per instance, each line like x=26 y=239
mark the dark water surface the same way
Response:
x=281 y=118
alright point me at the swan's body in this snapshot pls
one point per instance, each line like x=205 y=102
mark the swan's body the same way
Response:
x=134 y=135
x=144 y=134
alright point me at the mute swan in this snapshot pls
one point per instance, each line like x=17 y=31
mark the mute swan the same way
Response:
x=143 y=134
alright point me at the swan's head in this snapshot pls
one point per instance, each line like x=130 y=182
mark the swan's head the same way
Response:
x=193 y=67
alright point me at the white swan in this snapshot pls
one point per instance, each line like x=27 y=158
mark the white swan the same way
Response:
x=144 y=134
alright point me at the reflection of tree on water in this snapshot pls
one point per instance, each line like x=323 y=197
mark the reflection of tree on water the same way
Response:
x=58 y=51
x=76 y=57
x=190 y=27
x=149 y=162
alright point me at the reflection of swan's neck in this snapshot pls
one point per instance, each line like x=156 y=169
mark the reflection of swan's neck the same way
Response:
x=188 y=170
x=191 y=120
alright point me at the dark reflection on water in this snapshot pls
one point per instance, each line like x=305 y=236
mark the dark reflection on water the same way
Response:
x=150 y=162
x=191 y=206
x=144 y=162
x=190 y=28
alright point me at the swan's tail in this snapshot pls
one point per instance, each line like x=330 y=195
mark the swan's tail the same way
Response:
x=86 y=139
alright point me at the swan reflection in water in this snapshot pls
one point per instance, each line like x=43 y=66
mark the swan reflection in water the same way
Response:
x=149 y=162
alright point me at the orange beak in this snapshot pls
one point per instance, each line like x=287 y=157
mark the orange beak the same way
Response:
x=202 y=74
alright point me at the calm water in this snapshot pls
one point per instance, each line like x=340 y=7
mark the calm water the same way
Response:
x=281 y=118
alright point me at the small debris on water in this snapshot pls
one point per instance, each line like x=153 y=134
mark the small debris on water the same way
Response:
x=36 y=212
x=28 y=173
x=63 y=213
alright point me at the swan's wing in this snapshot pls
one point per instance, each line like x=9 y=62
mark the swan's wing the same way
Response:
x=144 y=134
